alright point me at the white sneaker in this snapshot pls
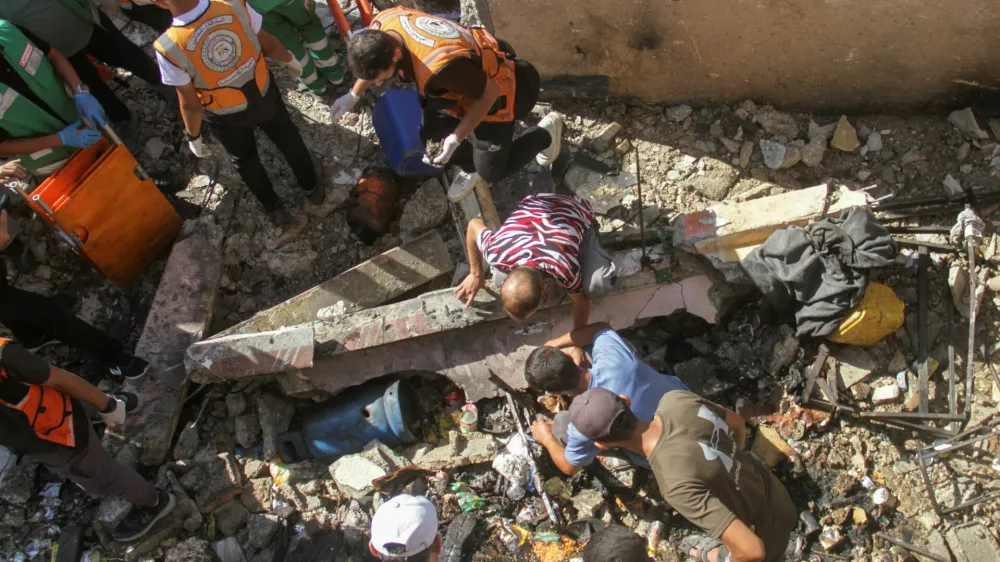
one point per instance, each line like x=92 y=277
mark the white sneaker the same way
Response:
x=554 y=125
x=462 y=186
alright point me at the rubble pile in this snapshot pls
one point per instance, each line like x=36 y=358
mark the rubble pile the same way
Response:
x=854 y=479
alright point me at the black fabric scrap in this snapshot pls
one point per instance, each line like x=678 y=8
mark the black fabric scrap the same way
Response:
x=821 y=271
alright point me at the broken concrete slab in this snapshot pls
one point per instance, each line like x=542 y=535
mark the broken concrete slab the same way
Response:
x=973 y=543
x=771 y=447
x=712 y=178
x=180 y=313
x=727 y=232
x=374 y=282
x=597 y=183
x=461 y=450
x=854 y=365
x=244 y=355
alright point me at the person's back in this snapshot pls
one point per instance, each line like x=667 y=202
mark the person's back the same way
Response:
x=66 y=24
x=615 y=544
x=710 y=480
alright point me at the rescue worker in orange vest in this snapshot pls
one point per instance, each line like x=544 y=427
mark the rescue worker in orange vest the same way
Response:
x=472 y=87
x=214 y=55
x=42 y=414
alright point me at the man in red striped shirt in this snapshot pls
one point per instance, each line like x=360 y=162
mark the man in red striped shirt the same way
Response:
x=548 y=236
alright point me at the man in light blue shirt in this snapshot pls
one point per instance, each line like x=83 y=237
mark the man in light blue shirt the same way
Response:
x=558 y=368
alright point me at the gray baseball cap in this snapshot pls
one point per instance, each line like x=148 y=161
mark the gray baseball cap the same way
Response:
x=599 y=415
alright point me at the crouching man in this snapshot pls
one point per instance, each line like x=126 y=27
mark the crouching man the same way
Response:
x=558 y=367
x=695 y=449
x=42 y=414
x=548 y=236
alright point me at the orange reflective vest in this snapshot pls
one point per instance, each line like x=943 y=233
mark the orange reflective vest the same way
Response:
x=221 y=53
x=48 y=411
x=434 y=42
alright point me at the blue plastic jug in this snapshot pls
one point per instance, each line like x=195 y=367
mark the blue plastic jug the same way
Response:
x=397 y=120
x=346 y=423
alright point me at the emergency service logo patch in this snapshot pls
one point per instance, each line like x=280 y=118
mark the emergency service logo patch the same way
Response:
x=436 y=27
x=221 y=50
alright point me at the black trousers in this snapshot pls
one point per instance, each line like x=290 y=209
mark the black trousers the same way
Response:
x=33 y=317
x=109 y=46
x=151 y=15
x=269 y=114
x=491 y=150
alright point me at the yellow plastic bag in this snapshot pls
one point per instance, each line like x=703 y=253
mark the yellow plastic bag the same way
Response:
x=879 y=314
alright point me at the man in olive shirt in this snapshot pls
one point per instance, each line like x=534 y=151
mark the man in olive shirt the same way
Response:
x=695 y=449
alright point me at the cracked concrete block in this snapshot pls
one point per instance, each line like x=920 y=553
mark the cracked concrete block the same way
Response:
x=244 y=355
x=371 y=283
x=973 y=543
x=472 y=448
x=180 y=313
x=727 y=232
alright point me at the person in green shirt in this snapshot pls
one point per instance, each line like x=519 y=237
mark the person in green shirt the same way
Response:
x=39 y=123
x=296 y=25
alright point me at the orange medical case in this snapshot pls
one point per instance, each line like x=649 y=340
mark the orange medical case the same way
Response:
x=100 y=202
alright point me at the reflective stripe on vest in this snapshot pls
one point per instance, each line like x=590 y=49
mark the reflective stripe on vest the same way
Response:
x=48 y=411
x=221 y=54
x=21 y=117
x=434 y=42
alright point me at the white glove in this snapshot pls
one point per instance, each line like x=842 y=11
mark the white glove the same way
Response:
x=198 y=148
x=116 y=416
x=448 y=147
x=295 y=66
x=343 y=104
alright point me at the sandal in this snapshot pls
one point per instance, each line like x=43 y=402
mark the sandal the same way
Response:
x=701 y=544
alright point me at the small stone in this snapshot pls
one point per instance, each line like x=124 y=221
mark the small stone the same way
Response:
x=994 y=284
x=236 y=404
x=845 y=138
x=963 y=151
x=679 y=113
x=716 y=130
x=257 y=495
x=859 y=517
x=262 y=528
x=605 y=136
x=155 y=147
x=275 y=414
x=863 y=175
x=732 y=146
x=874 y=143
x=825 y=131
x=247 y=430
x=746 y=152
x=427 y=208
x=886 y=394
x=812 y=153
x=965 y=120
x=19 y=485
x=187 y=443
x=773 y=152
x=897 y=363
x=230 y=517
x=588 y=502
x=708 y=147
x=854 y=365
x=290 y=263
x=860 y=391
x=712 y=178
x=191 y=550
x=889 y=175
x=777 y=123
x=952 y=188
x=254 y=468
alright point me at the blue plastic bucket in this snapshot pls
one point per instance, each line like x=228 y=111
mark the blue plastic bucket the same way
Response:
x=348 y=422
x=397 y=120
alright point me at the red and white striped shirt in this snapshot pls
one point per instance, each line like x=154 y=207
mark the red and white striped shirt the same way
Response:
x=545 y=231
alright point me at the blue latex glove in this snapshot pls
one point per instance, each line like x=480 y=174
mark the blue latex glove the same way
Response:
x=88 y=106
x=78 y=136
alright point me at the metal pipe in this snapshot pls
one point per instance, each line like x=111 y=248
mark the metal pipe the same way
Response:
x=923 y=296
x=553 y=515
x=912 y=548
x=970 y=242
x=912 y=416
x=952 y=395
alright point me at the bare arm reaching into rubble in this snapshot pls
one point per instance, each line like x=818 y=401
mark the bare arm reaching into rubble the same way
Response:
x=572 y=343
x=541 y=430
x=476 y=279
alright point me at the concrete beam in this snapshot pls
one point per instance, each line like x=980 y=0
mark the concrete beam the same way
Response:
x=469 y=344
x=180 y=313
x=374 y=282
x=727 y=232
x=245 y=355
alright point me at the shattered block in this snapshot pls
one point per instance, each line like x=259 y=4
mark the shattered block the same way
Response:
x=771 y=447
x=221 y=481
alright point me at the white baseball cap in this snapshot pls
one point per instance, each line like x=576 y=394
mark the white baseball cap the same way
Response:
x=404 y=525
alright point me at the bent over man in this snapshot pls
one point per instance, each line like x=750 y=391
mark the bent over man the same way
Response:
x=214 y=55
x=42 y=414
x=472 y=86
x=548 y=236
x=299 y=29
x=696 y=451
